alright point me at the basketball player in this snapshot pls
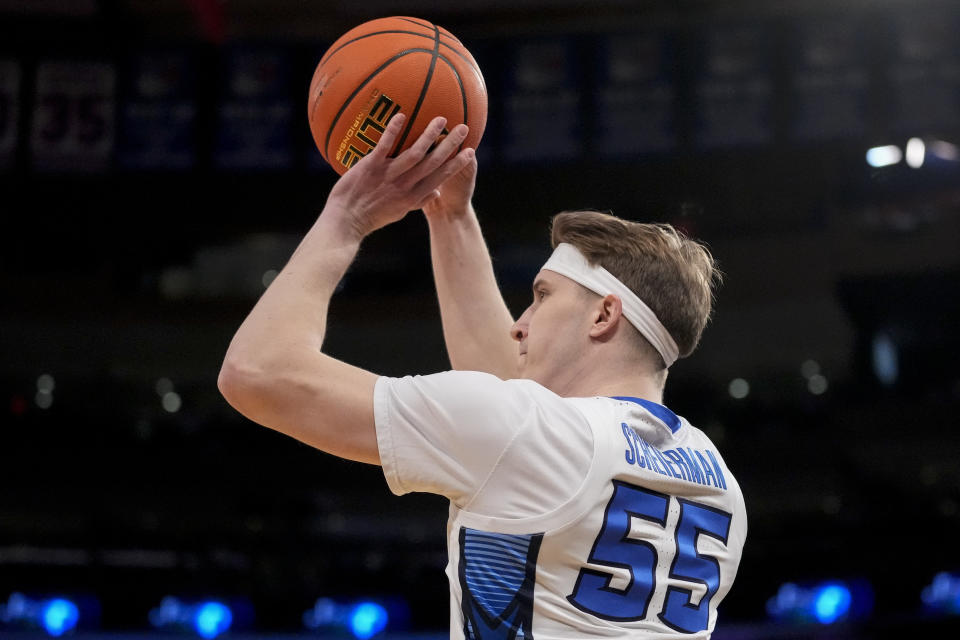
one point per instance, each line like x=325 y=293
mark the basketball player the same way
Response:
x=580 y=506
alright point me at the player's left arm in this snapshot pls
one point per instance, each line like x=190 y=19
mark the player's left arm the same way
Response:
x=275 y=371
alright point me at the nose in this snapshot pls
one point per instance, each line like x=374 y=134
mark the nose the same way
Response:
x=520 y=328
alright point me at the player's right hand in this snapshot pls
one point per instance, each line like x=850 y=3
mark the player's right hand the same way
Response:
x=379 y=189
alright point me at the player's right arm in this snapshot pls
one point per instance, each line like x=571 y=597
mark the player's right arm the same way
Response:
x=476 y=321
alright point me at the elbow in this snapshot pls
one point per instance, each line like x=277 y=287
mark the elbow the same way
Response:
x=238 y=383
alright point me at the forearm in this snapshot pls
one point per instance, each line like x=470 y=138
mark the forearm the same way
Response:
x=291 y=315
x=476 y=321
x=274 y=371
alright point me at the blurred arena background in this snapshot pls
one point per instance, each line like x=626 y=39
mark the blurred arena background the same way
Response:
x=156 y=169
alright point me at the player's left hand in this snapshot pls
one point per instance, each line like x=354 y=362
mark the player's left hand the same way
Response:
x=452 y=199
x=379 y=190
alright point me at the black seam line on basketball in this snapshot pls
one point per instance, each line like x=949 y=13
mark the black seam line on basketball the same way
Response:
x=463 y=95
x=366 y=81
x=423 y=93
x=430 y=26
x=327 y=56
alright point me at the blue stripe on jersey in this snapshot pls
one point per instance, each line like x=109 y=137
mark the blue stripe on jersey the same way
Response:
x=663 y=414
x=497 y=573
x=504 y=546
x=494 y=568
x=511 y=556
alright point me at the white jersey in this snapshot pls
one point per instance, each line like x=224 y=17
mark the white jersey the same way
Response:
x=569 y=517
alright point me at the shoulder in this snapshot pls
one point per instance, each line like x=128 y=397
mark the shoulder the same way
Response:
x=448 y=432
x=468 y=390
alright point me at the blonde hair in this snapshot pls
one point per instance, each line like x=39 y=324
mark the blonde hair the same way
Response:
x=673 y=274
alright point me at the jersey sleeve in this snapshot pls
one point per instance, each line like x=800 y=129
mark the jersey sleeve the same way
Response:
x=445 y=433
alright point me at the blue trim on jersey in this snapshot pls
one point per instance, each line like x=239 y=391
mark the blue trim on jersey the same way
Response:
x=666 y=416
x=497 y=575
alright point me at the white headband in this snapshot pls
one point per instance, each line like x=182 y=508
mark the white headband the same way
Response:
x=568 y=261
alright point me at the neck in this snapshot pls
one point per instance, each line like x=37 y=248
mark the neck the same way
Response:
x=602 y=377
x=638 y=387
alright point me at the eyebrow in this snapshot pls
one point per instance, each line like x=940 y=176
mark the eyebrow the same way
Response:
x=539 y=282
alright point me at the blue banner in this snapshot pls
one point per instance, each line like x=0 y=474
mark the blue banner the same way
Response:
x=733 y=86
x=636 y=95
x=925 y=73
x=830 y=81
x=255 y=111
x=542 y=102
x=158 y=115
x=73 y=116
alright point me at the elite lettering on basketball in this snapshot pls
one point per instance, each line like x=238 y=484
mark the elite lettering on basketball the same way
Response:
x=358 y=141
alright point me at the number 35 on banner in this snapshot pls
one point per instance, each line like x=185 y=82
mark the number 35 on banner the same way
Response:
x=73 y=120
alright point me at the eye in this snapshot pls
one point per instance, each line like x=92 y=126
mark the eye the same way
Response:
x=539 y=295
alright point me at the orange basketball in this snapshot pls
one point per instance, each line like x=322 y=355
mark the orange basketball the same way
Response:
x=386 y=66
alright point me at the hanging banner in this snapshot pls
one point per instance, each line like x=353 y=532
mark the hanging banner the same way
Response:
x=636 y=98
x=733 y=87
x=9 y=111
x=158 y=114
x=542 y=102
x=73 y=116
x=925 y=73
x=255 y=111
x=830 y=81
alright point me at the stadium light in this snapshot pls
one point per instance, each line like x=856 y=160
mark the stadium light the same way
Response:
x=884 y=156
x=208 y=619
x=916 y=153
x=944 y=150
x=59 y=616
x=367 y=619
x=943 y=593
x=817 y=384
x=364 y=619
x=831 y=603
x=824 y=603
x=885 y=359
x=56 y=616
x=738 y=388
x=211 y=619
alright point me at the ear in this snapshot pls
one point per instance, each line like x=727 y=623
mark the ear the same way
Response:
x=609 y=313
